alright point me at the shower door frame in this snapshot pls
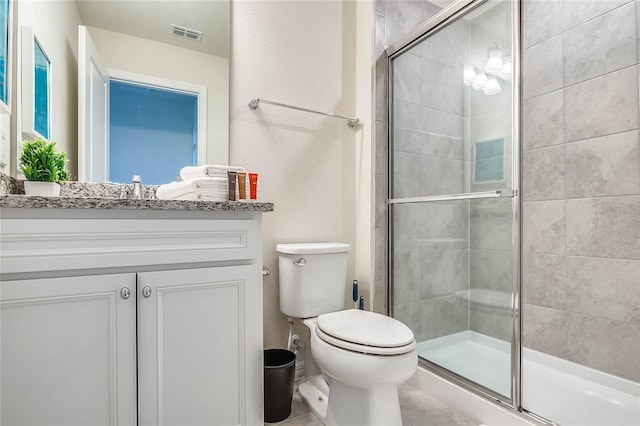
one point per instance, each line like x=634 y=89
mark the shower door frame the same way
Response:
x=430 y=27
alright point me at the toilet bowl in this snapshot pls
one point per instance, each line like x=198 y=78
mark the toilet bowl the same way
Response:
x=363 y=376
x=357 y=358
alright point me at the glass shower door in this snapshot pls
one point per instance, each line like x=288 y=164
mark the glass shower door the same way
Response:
x=452 y=200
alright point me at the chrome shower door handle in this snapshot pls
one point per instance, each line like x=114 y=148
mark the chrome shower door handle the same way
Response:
x=300 y=262
x=146 y=291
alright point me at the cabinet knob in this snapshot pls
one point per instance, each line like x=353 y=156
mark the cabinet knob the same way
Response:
x=146 y=291
x=125 y=292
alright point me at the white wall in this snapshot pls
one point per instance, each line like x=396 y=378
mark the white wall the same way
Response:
x=55 y=24
x=302 y=53
x=141 y=56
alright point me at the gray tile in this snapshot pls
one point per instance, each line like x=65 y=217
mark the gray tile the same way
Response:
x=402 y=17
x=605 y=166
x=406 y=116
x=441 y=123
x=637 y=26
x=380 y=201
x=411 y=314
x=420 y=409
x=576 y=12
x=430 y=226
x=490 y=226
x=545 y=330
x=544 y=280
x=542 y=68
x=492 y=270
x=605 y=44
x=380 y=271
x=306 y=420
x=415 y=142
x=608 y=346
x=407 y=268
x=379 y=39
x=542 y=20
x=490 y=321
x=379 y=7
x=604 y=227
x=543 y=120
x=603 y=105
x=491 y=118
x=450 y=46
x=407 y=78
x=604 y=288
x=543 y=227
x=442 y=272
x=381 y=83
x=443 y=316
x=380 y=296
x=381 y=146
x=418 y=175
x=543 y=173
x=440 y=87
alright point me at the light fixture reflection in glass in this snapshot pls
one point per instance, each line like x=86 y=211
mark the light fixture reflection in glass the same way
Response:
x=506 y=73
x=469 y=74
x=494 y=64
x=480 y=81
x=492 y=87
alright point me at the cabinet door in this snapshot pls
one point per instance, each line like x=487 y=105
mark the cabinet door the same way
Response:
x=196 y=347
x=68 y=351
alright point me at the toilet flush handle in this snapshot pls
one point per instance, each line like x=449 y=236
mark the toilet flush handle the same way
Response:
x=300 y=262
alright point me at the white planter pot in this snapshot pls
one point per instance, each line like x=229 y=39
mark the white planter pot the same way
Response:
x=43 y=189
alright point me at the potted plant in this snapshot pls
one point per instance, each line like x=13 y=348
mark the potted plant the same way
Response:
x=43 y=167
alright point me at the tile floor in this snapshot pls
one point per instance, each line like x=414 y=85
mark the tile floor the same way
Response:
x=418 y=409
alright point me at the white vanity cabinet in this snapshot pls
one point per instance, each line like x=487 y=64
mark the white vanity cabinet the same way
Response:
x=68 y=351
x=124 y=318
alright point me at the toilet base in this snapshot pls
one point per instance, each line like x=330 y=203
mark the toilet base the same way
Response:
x=349 y=406
x=314 y=398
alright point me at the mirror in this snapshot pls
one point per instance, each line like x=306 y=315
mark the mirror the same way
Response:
x=178 y=46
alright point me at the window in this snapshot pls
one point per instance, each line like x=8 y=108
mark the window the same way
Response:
x=153 y=132
x=41 y=75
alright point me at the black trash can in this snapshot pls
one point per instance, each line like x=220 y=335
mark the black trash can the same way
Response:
x=279 y=375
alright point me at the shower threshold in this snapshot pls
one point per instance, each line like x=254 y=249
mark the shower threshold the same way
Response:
x=559 y=390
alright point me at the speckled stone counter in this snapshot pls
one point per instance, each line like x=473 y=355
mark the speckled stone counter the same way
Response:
x=24 y=201
x=107 y=196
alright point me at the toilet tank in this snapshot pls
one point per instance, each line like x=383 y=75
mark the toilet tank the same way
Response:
x=312 y=278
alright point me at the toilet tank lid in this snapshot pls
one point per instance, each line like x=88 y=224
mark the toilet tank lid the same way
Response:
x=313 y=248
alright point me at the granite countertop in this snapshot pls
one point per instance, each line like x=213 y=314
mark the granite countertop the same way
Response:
x=28 y=201
x=80 y=195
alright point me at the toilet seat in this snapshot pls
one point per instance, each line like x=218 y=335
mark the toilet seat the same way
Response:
x=365 y=332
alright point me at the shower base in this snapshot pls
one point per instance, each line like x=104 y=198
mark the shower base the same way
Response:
x=561 y=391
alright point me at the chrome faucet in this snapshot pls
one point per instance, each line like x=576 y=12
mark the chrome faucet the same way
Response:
x=137 y=187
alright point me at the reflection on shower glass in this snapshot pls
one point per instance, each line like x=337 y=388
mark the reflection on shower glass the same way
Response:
x=488 y=161
x=42 y=70
x=451 y=261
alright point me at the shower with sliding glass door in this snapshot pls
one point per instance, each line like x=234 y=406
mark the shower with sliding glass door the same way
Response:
x=454 y=241
x=453 y=195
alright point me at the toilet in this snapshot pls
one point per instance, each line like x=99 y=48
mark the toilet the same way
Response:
x=357 y=358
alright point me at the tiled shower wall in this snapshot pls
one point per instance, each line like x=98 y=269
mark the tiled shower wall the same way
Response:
x=394 y=20
x=581 y=180
x=581 y=183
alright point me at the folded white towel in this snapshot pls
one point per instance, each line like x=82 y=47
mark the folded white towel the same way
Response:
x=191 y=172
x=205 y=187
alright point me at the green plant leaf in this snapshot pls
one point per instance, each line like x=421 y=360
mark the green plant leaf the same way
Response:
x=40 y=161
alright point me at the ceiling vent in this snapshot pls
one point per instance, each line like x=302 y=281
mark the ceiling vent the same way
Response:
x=185 y=32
